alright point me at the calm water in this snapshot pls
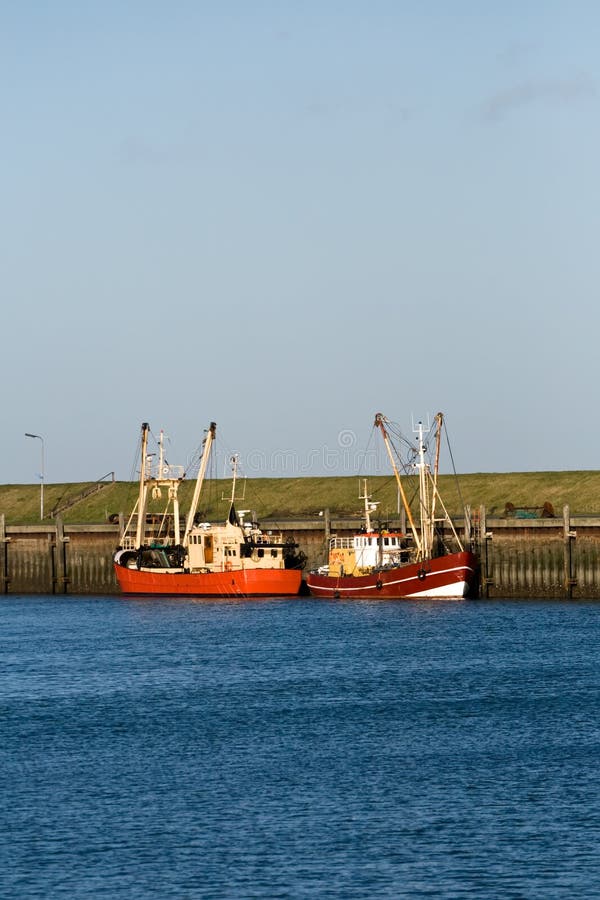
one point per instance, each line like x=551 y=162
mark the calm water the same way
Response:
x=299 y=749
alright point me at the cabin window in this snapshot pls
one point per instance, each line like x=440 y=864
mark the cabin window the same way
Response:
x=273 y=552
x=386 y=541
x=260 y=552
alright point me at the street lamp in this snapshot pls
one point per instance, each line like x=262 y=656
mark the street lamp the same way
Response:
x=40 y=438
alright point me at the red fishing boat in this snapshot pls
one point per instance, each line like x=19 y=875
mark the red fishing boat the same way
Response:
x=428 y=560
x=160 y=555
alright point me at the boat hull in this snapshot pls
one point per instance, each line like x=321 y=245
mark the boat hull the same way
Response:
x=235 y=584
x=450 y=577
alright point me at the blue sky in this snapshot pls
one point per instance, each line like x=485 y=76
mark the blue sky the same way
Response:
x=287 y=216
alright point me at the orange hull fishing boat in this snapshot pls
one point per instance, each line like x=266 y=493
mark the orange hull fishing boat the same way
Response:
x=428 y=561
x=161 y=556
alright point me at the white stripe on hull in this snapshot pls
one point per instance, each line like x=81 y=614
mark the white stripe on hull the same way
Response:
x=454 y=590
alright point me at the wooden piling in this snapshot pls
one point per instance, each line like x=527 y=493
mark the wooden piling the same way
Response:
x=568 y=538
x=4 y=542
x=467 y=530
x=327 y=526
x=485 y=557
x=61 y=578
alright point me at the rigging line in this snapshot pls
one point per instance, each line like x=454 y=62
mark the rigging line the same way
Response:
x=456 y=480
x=134 y=475
x=410 y=491
x=362 y=464
x=208 y=501
x=396 y=429
x=258 y=497
x=196 y=455
x=211 y=496
x=136 y=459
x=218 y=459
x=156 y=443
x=409 y=463
x=241 y=476
x=409 y=478
x=408 y=446
x=132 y=488
x=380 y=489
x=194 y=462
x=226 y=454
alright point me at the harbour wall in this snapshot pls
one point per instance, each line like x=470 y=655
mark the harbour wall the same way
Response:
x=530 y=558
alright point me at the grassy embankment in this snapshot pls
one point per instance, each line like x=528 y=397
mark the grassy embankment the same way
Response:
x=281 y=498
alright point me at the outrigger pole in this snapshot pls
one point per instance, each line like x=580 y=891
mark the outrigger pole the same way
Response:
x=141 y=519
x=199 y=481
x=379 y=420
x=439 y=418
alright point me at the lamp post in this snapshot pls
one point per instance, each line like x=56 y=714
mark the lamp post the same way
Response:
x=40 y=438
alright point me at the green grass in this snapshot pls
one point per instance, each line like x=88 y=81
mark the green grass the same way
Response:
x=288 y=497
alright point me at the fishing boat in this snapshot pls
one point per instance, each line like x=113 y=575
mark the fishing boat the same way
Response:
x=161 y=554
x=426 y=560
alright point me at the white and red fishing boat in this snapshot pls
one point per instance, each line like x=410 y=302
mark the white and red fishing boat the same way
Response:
x=427 y=560
x=159 y=554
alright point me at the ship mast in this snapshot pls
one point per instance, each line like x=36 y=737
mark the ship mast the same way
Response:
x=141 y=519
x=379 y=422
x=436 y=494
x=436 y=466
x=233 y=516
x=234 y=464
x=365 y=496
x=161 y=453
x=208 y=440
x=165 y=477
x=438 y=440
x=425 y=502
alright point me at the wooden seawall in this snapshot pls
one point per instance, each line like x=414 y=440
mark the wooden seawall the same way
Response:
x=530 y=558
x=57 y=559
